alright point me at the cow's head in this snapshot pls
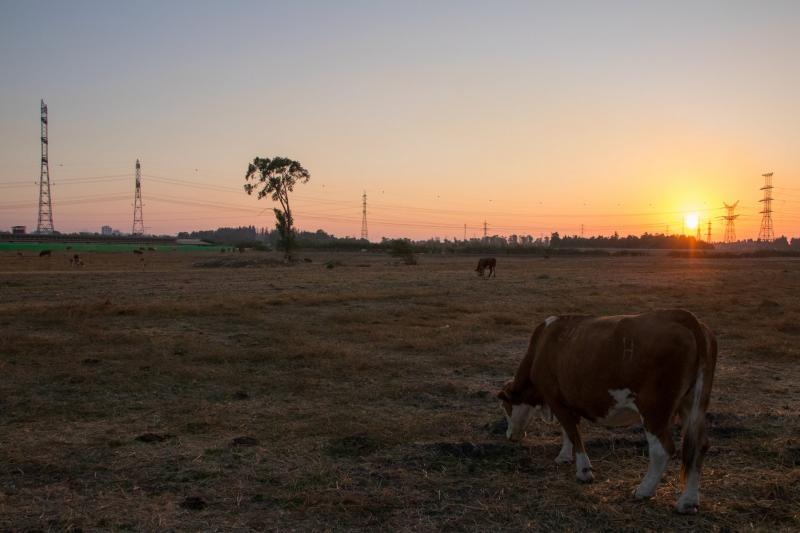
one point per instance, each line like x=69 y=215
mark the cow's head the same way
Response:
x=479 y=270
x=519 y=408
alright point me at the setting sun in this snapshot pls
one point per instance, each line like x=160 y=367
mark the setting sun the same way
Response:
x=691 y=220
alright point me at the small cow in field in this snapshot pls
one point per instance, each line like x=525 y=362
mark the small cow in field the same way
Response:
x=618 y=371
x=138 y=252
x=76 y=261
x=483 y=264
x=45 y=253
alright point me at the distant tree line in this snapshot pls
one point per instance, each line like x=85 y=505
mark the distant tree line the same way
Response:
x=320 y=239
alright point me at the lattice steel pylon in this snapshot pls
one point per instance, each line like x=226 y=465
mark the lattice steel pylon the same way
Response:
x=138 y=221
x=766 y=233
x=44 y=222
x=708 y=233
x=364 y=232
x=730 y=227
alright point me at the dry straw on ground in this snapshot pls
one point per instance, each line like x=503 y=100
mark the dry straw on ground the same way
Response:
x=147 y=393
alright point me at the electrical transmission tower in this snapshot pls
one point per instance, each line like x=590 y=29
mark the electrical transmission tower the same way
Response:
x=708 y=233
x=765 y=233
x=364 y=234
x=698 y=237
x=45 y=220
x=138 y=222
x=730 y=227
x=485 y=228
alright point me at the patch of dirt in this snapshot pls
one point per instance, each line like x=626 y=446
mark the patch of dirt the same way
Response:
x=244 y=441
x=497 y=427
x=194 y=503
x=235 y=262
x=470 y=450
x=154 y=437
x=352 y=446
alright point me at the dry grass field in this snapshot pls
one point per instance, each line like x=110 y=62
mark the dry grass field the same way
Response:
x=156 y=394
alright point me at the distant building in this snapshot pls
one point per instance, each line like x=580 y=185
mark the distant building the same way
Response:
x=106 y=230
x=19 y=230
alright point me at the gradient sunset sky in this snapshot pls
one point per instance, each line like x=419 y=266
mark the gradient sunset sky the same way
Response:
x=533 y=116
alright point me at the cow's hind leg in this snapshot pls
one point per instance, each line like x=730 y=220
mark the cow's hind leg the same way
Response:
x=694 y=447
x=661 y=448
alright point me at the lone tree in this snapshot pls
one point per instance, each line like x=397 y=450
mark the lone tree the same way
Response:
x=277 y=177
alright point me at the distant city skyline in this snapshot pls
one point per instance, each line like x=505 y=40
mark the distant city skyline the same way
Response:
x=533 y=117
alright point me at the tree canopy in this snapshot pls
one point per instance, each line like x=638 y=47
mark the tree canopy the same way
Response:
x=276 y=178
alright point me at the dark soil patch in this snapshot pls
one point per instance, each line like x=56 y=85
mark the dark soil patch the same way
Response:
x=352 y=446
x=194 y=503
x=154 y=437
x=470 y=450
x=792 y=328
x=196 y=428
x=497 y=427
x=244 y=441
x=231 y=262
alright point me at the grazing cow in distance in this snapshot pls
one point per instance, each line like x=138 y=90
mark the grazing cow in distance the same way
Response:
x=484 y=263
x=618 y=371
x=76 y=261
x=45 y=253
x=138 y=252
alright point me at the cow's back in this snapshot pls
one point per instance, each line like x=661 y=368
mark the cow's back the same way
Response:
x=583 y=359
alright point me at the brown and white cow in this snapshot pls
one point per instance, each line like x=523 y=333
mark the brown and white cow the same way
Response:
x=484 y=263
x=620 y=370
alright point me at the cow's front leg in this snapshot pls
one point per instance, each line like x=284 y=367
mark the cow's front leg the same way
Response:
x=569 y=423
x=583 y=467
x=565 y=455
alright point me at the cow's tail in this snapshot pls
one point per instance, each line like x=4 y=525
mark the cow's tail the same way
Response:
x=695 y=436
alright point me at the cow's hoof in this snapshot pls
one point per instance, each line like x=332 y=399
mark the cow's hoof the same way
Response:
x=585 y=476
x=563 y=459
x=639 y=494
x=687 y=507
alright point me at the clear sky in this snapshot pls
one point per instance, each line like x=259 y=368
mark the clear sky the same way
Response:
x=532 y=116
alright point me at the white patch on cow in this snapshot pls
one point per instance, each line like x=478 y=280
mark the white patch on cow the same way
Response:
x=583 y=468
x=624 y=411
x=565 y=455
x=549 y=320
x=518 y=421
x=658 y=462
